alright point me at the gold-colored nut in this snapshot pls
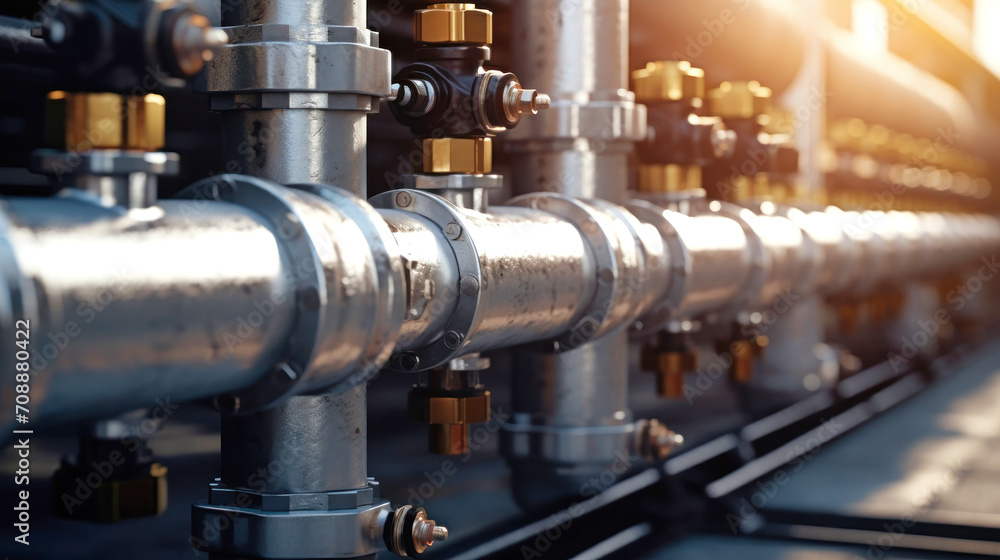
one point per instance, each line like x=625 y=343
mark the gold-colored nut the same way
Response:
x=458 y=155
x=668 y=81
x=453 y=23
x=741 y=370
x=655 y=178
x=142 y=494
x=878 y=140
x=904 y=145
x=93 y=121
x=670 y=373
x=448 y=439
x=739 y=100
x=780 y=121
x=848 y=134
x=449 y=410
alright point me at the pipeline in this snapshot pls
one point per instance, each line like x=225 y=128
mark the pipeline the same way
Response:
x=217 y=322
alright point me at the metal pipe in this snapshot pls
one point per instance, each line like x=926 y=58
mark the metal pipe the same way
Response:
x=538 y=276
x=313 y=443
x=296 y=84
x=567 y=427
x=128 y=308
x=314 y=72
x=577 y=52
x=219 y=317
x=549 y=269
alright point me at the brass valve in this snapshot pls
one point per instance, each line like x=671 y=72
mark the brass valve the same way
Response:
x=669 y=81
x=82 y=122
x=453 y=23
x=670 y=368
x=449 y=99
x=739 y=100
x=449 y=401
x=670 y=357
x=744 y=352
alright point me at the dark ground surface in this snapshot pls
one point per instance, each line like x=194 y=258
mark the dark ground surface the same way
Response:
x=933 y=456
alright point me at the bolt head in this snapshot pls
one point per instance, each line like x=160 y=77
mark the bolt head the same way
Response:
x=469 y=285
x=453 y=339
x=403 y=199
x=408 y=362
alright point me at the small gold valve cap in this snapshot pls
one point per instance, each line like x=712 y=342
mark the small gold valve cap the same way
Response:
x=453 y=23
x=739 y=100
x=668 y=81
x=473 y=156
x=449 y=418
x=94 y=121
x=670 y=177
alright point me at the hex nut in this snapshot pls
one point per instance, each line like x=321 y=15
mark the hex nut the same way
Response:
x=449 y=410
x=668 y=81
x=671 y=177
x=739 y=100
x=458 y=155
x=453 y=23
x=81 y=122
x=139 y=494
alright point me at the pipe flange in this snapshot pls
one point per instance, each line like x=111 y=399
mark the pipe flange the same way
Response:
x=223 y=496
x=390 y=292
x=749 y=296
x=598 y=229
x=812 y=263
x=253 y=533
x=643 y=261
x=307 y=227
x=464 y=319
x=680 y=263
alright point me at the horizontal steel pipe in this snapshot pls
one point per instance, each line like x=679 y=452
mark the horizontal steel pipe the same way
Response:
x=551 y=268
x=248 y=290
x=259 y=292
x=172 y=303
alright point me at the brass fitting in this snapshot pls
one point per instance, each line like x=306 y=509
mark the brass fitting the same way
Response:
x=654 y=440
x=472 y=156
x=739 y=100
x=138 y=495
x=450 y=401
x=453 y=23
x=194 y=42
x=409 y=532
x=669 y=81
x=744 y=353
x=91 y=121
x=780 y=121
x=670 y=373
x=671 y=177
x=450 y=410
